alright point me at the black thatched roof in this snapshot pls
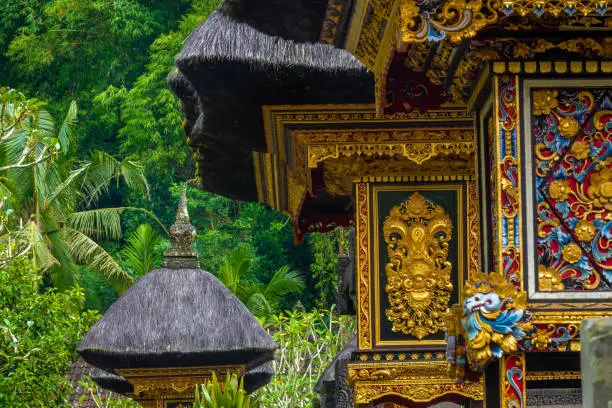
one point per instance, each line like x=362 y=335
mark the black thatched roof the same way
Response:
x=110 y=381
x=258 y=377
x=182 y=317
x=297 y=20
x=229 y=69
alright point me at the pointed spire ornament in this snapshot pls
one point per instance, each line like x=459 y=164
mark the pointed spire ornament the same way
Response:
x=180 y=254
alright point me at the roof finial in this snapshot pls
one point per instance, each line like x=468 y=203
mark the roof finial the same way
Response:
x=180 y=254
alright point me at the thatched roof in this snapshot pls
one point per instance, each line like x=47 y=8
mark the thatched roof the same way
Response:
x=80 y=397
x=182 y=317
x=110 y=381
x=229 y=69
x=258 y=377
x=297 y=20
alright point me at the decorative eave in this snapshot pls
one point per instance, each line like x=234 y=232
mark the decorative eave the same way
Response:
x=315 y=151
x=428 y=55
x=415 y=381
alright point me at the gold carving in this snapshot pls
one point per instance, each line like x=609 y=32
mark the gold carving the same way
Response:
x=473 y=229
x=552 y=375
x=363 y=266
x=544 y=101
x=559 y=190
x=172 y=382
x=572 y=253
x=418 y=274
x=416 y=381
x=458 y=19
x=585 y=230
x=568 y=127
x=600 y=190
x=541 y=339
x=549 y=279
x=580 y=150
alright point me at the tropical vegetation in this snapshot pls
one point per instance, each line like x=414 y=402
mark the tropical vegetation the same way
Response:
x=92 y=161
x=230 y=394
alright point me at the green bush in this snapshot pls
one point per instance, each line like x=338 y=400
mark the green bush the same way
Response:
x=229 y=395
x=103 y=398
x=39 y=329
x=307 y=343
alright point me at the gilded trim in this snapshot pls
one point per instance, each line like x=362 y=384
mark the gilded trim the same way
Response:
x=363 y=265
x=415 y=381
x=552 y=375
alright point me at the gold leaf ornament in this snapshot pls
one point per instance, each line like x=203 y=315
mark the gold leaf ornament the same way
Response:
x=568 y=127
x=559 y=190
x=418 y=286
x=544 y=101
x=600 y=190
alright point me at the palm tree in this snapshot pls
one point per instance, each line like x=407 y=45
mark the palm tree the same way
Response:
x=52 y=196
x=140 y=254
x=261 y=299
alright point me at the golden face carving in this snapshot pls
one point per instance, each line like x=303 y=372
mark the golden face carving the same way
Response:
x=418 y=273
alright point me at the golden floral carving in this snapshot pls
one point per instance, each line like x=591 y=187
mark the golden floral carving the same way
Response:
x=559 y=190
x=544 y=101
x=541 y=339
x=568 y=127
x=581 y=150
x=571 y=253
x=600 y=190
x=585 y=230
x=549 y=279
x=418 y=273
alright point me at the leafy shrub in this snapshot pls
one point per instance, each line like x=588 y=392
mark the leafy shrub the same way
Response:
x=307 y=344
x=39 y=329
x=229 y=395
x=103 y=398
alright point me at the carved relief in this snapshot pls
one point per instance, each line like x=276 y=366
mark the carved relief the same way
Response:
x=573 y=178
x=417 y=233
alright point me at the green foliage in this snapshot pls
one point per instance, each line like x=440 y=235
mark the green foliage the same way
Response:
x=141 y=252
x=261 y=299
x=307 y=344
x=103 y=398
x=39 y=330
x=325 y=249
x=231 y=394
x=51 y=193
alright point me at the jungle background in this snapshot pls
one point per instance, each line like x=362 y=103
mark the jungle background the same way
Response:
x=89 y=185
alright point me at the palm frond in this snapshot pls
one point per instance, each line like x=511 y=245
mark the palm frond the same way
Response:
x=140 y=254
x=102 y=223
x=87 y=252
x=100 y=171
x=256 y=301
x=234 y=268
x=284 y=281
x=42 y=121
x=67 y=135
x=43 y=258
x=133 y=174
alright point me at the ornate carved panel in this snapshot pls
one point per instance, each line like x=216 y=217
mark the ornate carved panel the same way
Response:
x=415 y=247
x=571 y=170
x=418 y=273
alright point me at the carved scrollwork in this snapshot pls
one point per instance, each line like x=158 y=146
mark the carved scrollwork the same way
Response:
x=417 y=233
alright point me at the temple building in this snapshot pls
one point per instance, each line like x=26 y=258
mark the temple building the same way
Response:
x=174 y=328
x=468 y=145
